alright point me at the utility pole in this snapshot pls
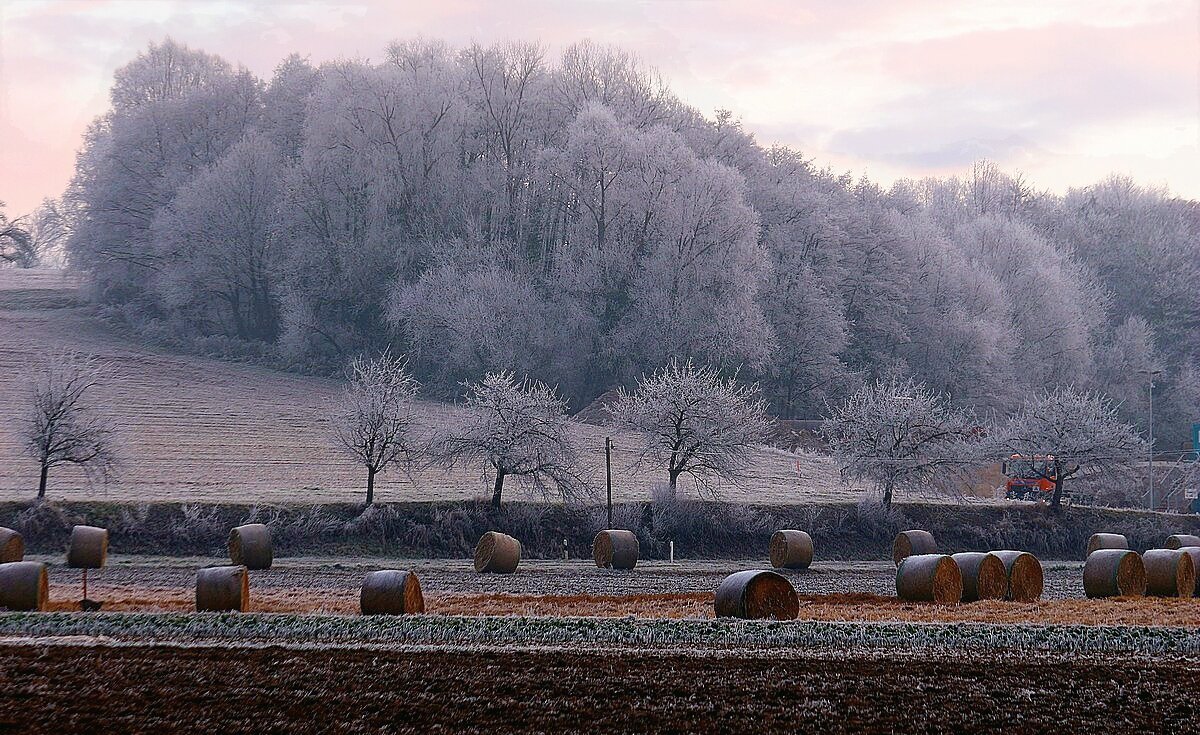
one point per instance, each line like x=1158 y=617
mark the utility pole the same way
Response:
x=1150 y=460
x=608 y=474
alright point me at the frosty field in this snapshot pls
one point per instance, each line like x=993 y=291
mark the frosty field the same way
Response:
x=561 y=644
x=198 y=429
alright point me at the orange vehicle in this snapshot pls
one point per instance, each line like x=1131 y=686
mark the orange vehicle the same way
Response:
x=1029 y=479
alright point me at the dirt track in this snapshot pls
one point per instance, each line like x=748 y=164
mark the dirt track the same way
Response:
x=209 y=689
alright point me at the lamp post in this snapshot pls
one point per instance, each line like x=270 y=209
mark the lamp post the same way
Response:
x=1150 y=459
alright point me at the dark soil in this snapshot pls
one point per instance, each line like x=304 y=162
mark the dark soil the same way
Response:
x=164 y=689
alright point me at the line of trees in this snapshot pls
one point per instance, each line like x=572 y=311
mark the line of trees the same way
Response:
x=899 y=435
x=489 y=210
x=35 y=238
x=690 y=420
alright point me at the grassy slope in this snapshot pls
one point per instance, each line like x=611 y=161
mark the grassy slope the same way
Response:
x=201 y=430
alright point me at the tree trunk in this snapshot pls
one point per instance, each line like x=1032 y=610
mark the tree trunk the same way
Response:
x=674 y=483
x=887 y=495
x=370 y=485
x=1056 y=499
x=498 y=489
x=42 y=482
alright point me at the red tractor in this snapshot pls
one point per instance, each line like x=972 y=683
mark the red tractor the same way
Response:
x=1029 y=478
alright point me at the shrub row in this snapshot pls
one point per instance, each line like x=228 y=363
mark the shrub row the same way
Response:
x=699 y=529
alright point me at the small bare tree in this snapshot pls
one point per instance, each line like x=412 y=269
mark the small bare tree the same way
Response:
x=694 y=422
x=17 y=245
x=374 y=418
x=60 y=426
x=49 y=227
x=520 y=429
x=1063 y=431
x=898 y=434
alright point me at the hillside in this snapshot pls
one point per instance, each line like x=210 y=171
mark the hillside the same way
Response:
x=197 y=429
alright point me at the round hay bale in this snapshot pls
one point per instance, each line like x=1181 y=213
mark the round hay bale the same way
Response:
x=983 y=576
x=391 y=592
x=912 y=543
x=1024 y=573
x=615 y=549
x=1169 y=573
x=1114 y=573
x=1194 y=552
x=755 y=595
x=929 y=578
x=250 y=546
x=12 y=546
x=1181 y=541
x=791 y=550
x=222 y=589
x=24 y=585
x=88 y=548
x=497 y=552
x=1107 y=541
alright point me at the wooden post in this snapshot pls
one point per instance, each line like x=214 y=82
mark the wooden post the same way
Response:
x=608 y=474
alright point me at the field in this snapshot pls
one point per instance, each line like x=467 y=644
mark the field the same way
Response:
x=829 y=591
x=201 y=430
x=558 y=646
x=563 y=646
x=169 y=688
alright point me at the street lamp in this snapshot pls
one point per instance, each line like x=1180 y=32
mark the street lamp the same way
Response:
x=1150 y=461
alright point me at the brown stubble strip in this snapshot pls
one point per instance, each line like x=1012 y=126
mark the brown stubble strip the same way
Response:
x=838 y=607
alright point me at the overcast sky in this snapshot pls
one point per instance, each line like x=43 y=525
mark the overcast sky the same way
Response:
x=1065 y=91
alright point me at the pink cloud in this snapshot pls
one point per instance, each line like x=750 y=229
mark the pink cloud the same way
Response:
x=896 y=89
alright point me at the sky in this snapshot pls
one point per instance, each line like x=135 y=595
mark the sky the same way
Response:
x=1062 y=91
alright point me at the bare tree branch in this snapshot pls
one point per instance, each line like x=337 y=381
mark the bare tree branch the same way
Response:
x=373 y=420
x=61 y=426
x=694 y=422
x=520 y=429
x=897 y=434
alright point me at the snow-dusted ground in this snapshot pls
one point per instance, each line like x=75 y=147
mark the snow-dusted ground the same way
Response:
x=199 y=429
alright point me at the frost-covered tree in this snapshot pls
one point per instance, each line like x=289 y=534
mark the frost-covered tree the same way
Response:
x=1128 y=355
x=16 y=244
x=1176 y=408
x=520 y=429
x=694 y=422
x=614 y=228
x=175 y=112
x=220 y=234
x=165 y=71
x=470 y=316
x=897 y=434
x=660 y=249
x=1048 y=303
x=376 y=183
x=61 y=424
x=49 y=228
x=373 y=420
x=1063 y=432
x=696 y=291
x=589 y=72
x=285 y=104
